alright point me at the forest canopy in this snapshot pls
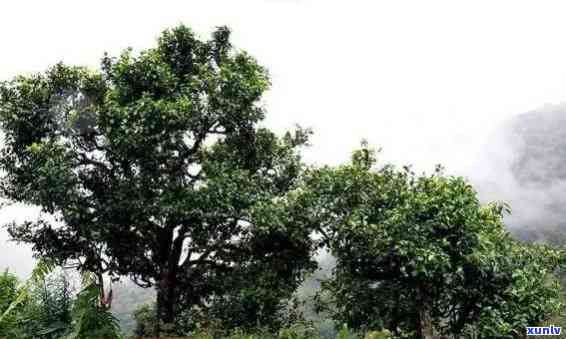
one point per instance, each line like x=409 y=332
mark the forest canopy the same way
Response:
x=156 y=168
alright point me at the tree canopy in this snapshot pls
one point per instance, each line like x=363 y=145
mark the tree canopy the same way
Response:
x=155 y=168
x=417 y=254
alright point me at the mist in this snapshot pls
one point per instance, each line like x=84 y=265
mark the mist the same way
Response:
x=523 y=164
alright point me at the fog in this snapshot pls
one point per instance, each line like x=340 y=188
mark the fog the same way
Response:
x=435 y=82
x=524 y=165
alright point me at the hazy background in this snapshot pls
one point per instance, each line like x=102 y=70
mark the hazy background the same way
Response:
x=428 y=81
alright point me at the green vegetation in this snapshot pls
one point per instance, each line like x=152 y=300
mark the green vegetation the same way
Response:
x=155 y=169
x=46 y=307
x=420 y=253
x=161 y=150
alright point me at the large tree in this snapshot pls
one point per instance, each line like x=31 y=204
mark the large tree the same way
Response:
x=154 y=167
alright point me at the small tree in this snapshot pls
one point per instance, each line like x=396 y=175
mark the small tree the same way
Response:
x=154 y=167
x=420 y=254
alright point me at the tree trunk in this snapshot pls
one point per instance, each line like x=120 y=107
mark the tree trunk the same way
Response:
x=426 y=331
x=166 y=302
x=424 y=321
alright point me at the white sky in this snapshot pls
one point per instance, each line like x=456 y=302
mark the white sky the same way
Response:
x=426 y=80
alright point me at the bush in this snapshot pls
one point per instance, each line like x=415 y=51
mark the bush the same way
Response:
x=145 y=317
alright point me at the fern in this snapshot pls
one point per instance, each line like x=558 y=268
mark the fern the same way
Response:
x=40 y=271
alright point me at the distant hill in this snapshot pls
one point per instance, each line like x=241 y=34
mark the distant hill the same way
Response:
x=525 y=165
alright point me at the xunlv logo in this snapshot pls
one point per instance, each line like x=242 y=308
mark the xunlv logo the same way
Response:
x=544 y=330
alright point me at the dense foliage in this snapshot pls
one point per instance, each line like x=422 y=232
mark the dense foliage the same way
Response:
x=47 y=306
x=419 y=254
x=155 y=168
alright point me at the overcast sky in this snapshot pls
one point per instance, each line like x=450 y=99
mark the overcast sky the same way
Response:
x=428 y=81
